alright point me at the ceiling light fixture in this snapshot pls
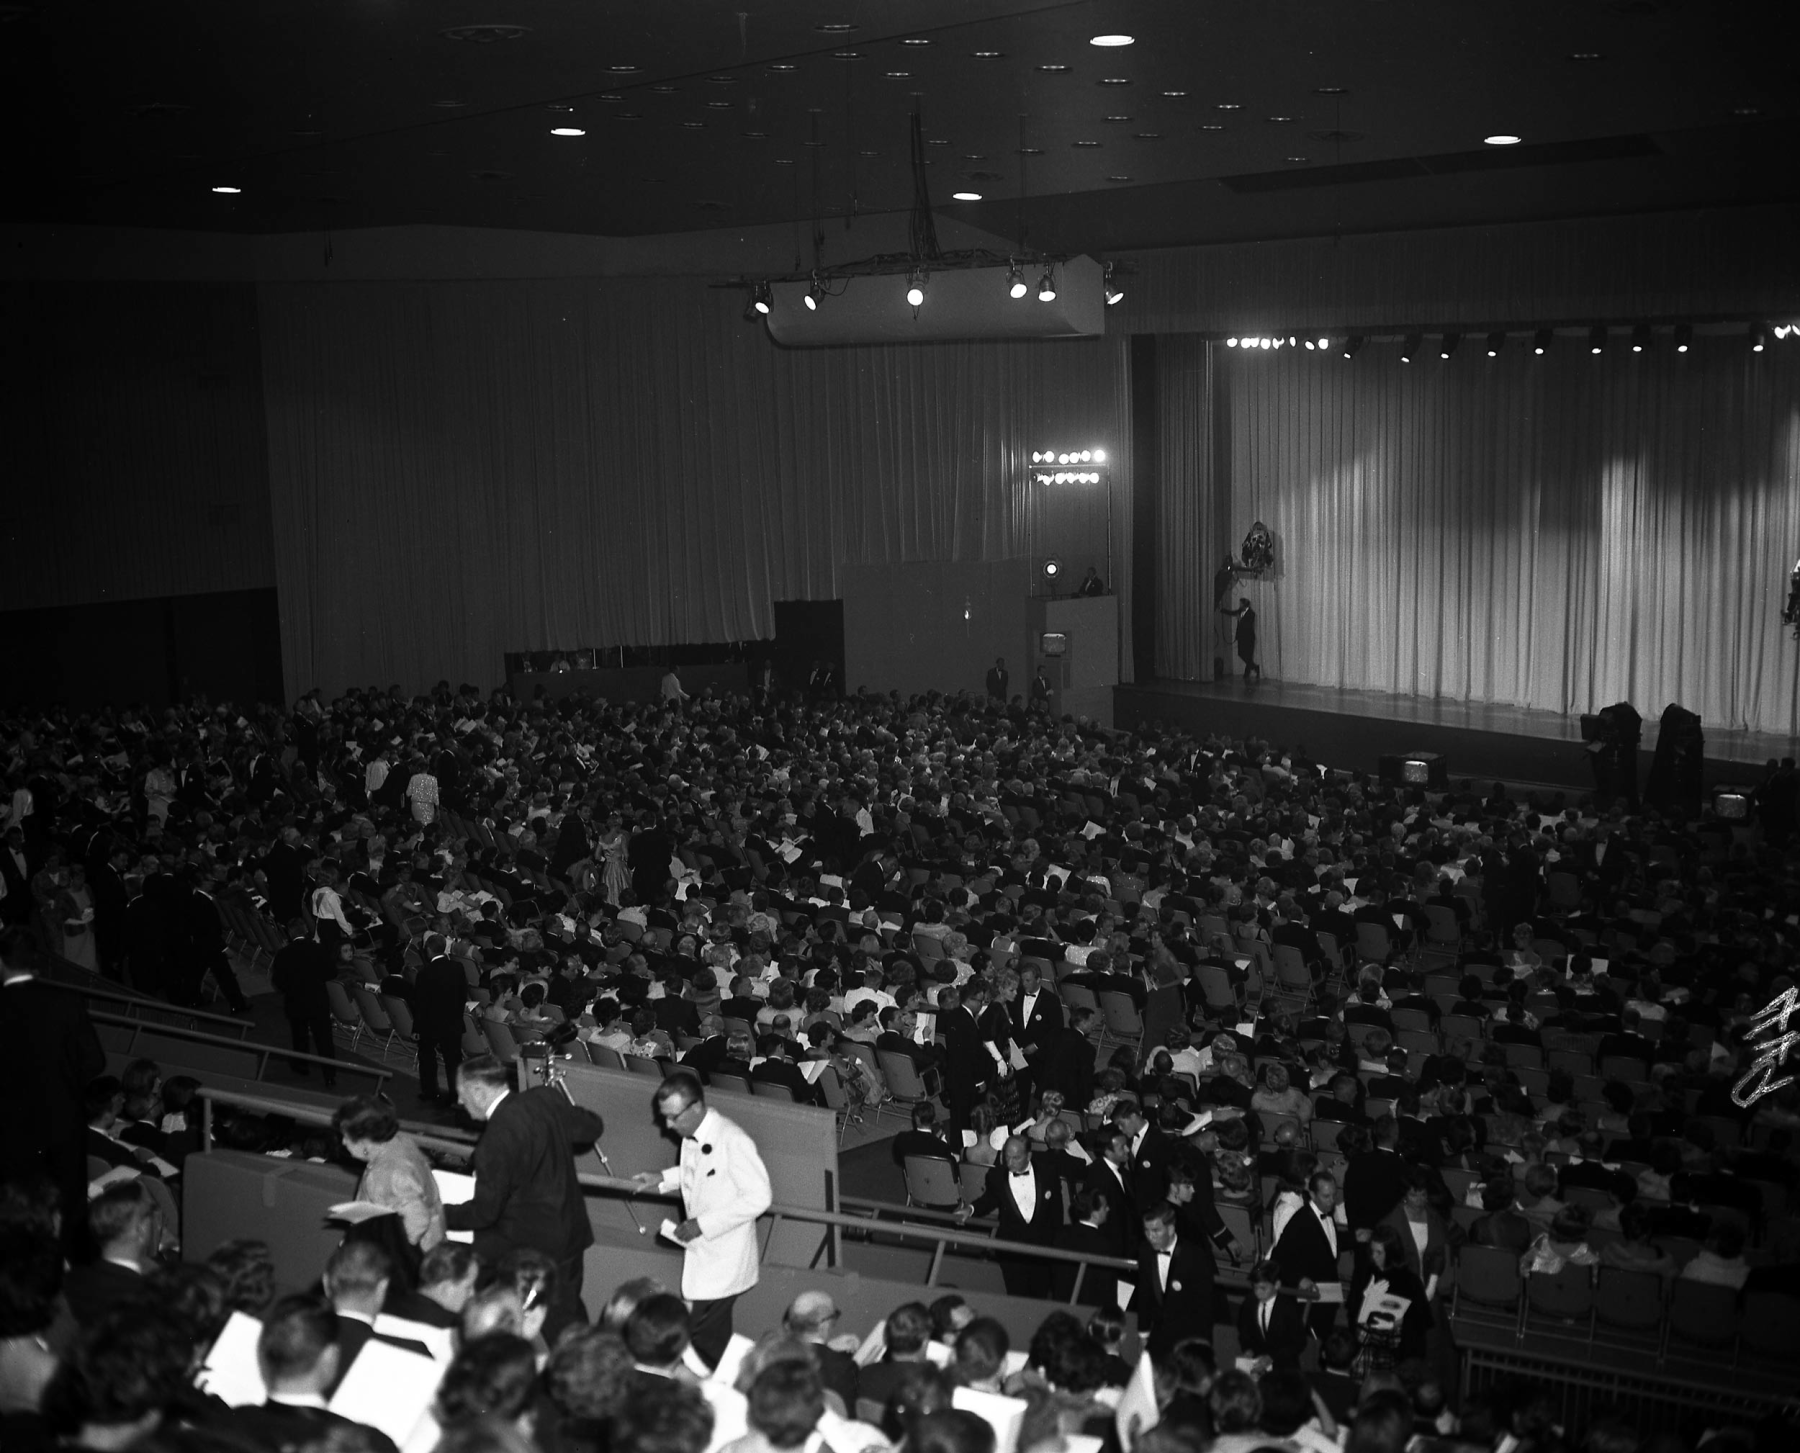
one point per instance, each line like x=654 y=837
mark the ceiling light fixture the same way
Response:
x=1353 y=345
x=915 y=287
x=1640 y=338
x=1540 y=341
x=1113 y=81
x=1501 y=138
x=228 y=191
x=1053 y=70
x=1175 y=95
x=567 y=131
x=1113 y=40
x=1759 y=337
x=1015 y=282
x=1597 y=338
x=815 y=290
x=1410 y=346
x=965 y=196
x=917 y=40
x=762 y=298
x=1495 y=342
x=1047 y=285
x=1111 y=289
x=988 y=55
x=1447 y=344
x=1684 y=337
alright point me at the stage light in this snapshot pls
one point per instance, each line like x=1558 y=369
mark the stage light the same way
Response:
x=1640 y=337
x=1684 y=336
x=1015 y=282
x=1231 y=343
x=1353 y=345
x=915 y=287
x=1099 y=456
x=1540 y=341
x=1597 y=338
x=1112 y=290
x=1410 y=346
x=1266 y=342
x=1309 y=345
x=1324 y=343
x=1495 y=342
x=1047 y=286
x=815 y=291
x=1035 y=456
x=1052 y=568
x=1447 y=344
x=1759 y=337
x=761 y=298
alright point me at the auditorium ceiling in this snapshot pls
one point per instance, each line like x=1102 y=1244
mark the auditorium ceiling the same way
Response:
x=1224 y=119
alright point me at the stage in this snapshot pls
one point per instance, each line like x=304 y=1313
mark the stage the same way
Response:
x=1482 y=740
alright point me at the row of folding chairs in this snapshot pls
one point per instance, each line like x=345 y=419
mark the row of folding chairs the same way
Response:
x=1621 y=1307
x=358 y=1010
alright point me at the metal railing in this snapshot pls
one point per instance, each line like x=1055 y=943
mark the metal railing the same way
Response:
x=263 y=1053
x=429 y=1137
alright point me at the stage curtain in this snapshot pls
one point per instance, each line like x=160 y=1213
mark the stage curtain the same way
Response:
x=1188 y=540
x=459 y=470
x=1559 y=532
x=131 y=443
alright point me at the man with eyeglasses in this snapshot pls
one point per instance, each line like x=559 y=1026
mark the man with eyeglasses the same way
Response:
x=724 y=1188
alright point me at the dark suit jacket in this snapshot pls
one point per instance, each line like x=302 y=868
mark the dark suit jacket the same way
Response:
x=300 y=972
x=1045 y=1221
x=1046 y=1018
x=354 y=1334
x=922 y=1142
x=966 y=1063
x=1098 y=1286
x=438 y=996
x=98 y=1287
x=48 y=1053
x=526 y=1191
x=787 y=1073
x=1304 y=1251
x=279 y=1428
x=1374 y=1182
x=1065 y=1062
x=1283 y=1342
x=417 y=1307
x=1184 y=1308
x=1124 y=1225
x=839 y=1373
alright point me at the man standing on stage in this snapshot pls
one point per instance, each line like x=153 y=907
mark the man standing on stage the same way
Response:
x=1246 y=637
x=724 y=1188
x=526 y=1190
x=997 y=679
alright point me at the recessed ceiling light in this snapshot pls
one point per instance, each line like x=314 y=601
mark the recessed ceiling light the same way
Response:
x=1230 y=106
x=1113 y=40
x=694 y=125
x=1279 y=120
x=1118 y=179
x=917 y=40
x=1146 y=136
x=624 y=70
x=898 y=75
x=557 y=106
x=449 y=105
x=1088 y=144
x=835 y=27
x=1297 y=159
x=1053 y=70
x=1031 y=151
x=718 y=105
x=988 y=55
x=754 y=135
x=1330 y=91
x=1113 y=81
x=782 y=66
x=784 y=161
x=937 y=141
x=1746 y=111
x=1211 y=126
x=665 y=90
x=1585 y=55
x=228 y=191
x=1118 y=118
x=868 y=153
x=846 y=55
x=723 y=80
x=567 y=131
x=1174 y=95
x=1502 y=138
x=965 y=196
x=627 y=115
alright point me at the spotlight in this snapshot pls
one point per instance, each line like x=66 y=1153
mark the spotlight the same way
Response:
x=1540 y=341
x=1268 y=342
x=1495 y=342
x=915 y=287
x=1047 y=286
x=1597 y=338
x=1309 y=345
x=1447 y=344
x=1352 y=346
x=1052 y=568
x=1099 y=456
x=1640 y=338
x=1015 y=282
x=761 y=298
x=1684 y=337
x=1324 y=343
x=1410 y=346
x=1231 y=343
x=1113 y=291
x=815 y=290
x=1759 y=337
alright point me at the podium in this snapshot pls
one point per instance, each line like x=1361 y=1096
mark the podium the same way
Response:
x=1083 y=675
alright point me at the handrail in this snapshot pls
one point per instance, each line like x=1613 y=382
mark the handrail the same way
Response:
x=159 y=1006
x=311 y=1115
x=261 y=1051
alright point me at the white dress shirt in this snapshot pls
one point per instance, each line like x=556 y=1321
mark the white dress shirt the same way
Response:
x=1023 y=1185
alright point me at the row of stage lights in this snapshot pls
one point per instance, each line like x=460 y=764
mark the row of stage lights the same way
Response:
x=762 y=295
x=1599 y=339
x=1045 y=457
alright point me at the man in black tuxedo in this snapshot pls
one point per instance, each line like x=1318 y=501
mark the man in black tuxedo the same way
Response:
x=1307 y=1252
x=301 y=970
x=777 y=1067
x=1150 y=1152
x=1109 y=1179
x=966 y=1062
x=1037 y=1017
x=284 y=874
x=1065 y=1060
x=206 y=944
x=1375 y=1180
x=15 y=876
x=438 y=996
x=357 y=1279
x=126 y=1225
x=48 y=1053
x=897 y=1029
x=1174 y=1284
x=1089 y=1234
x=526 y=1191
x=1027 y=1197
x=925 y=1138
x=297 y=1352
x=1271 y=1327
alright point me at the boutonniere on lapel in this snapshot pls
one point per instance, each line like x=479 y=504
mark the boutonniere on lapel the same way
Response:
x=706 y=1150
x=1174 y=1286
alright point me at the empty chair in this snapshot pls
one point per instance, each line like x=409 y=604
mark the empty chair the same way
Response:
x=1444 y=932
x=1240 y=1222
x=1123 y=1022
x=1077 y=996
x=729 y=1084
x=771 y=1091
x=931 y=1182
x=373 y=1015
x=606 y=1059
x=400 y=1016
x=1487 y=1282
x=1373 y=942
x=1566 y=1296
x=474 y=1042
x=1629 y=1302
x=1701 y=1314
x=643 y=1064
x=902 y=1076
x=344 y=1011
x=1523 y=1056
x=1216 y=985
x=501 y=1043
x=1293 y=982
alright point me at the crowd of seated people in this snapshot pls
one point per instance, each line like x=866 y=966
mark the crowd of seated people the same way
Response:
x=1505 y=1008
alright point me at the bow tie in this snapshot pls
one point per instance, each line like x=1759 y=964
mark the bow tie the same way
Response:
x=1020 y=1175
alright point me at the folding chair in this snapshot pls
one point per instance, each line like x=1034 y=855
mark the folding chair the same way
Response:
x=904 y=1082
x=606 y=1059
x=1628 y=1304
x=501 y=1043
x=1293 y=980
x=931 y=1182
x=1566 y=1296
x=1487 y=1284
x=373 y=1015
x=729 y=1084
x=1701 y=1314
x=643 y=1064
x=1772 y=1326
x=771 y=1091
x=400 y=1016
x=344 y=1011
x=1123 y=1024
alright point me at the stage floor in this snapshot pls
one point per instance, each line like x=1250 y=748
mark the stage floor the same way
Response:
x=1480 y=739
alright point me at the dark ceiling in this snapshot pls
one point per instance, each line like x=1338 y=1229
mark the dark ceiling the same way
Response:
x=1226 y=118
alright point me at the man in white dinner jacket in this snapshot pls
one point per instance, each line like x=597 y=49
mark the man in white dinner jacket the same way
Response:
x=724 y=1188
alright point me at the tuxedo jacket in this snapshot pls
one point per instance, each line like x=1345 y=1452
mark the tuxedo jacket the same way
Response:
x=724 y=1188
x=526 y=1191
x=1305 y=1251
x=1046 y=1219
x=1285 y=1338
x=1065 y=1062
x=1045 y=1020
x=279 y=1428
x=1124 y=1225
x=1099 y=1285
x=1374 y=1182
x=1182 y=1308
x=98 y=1287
